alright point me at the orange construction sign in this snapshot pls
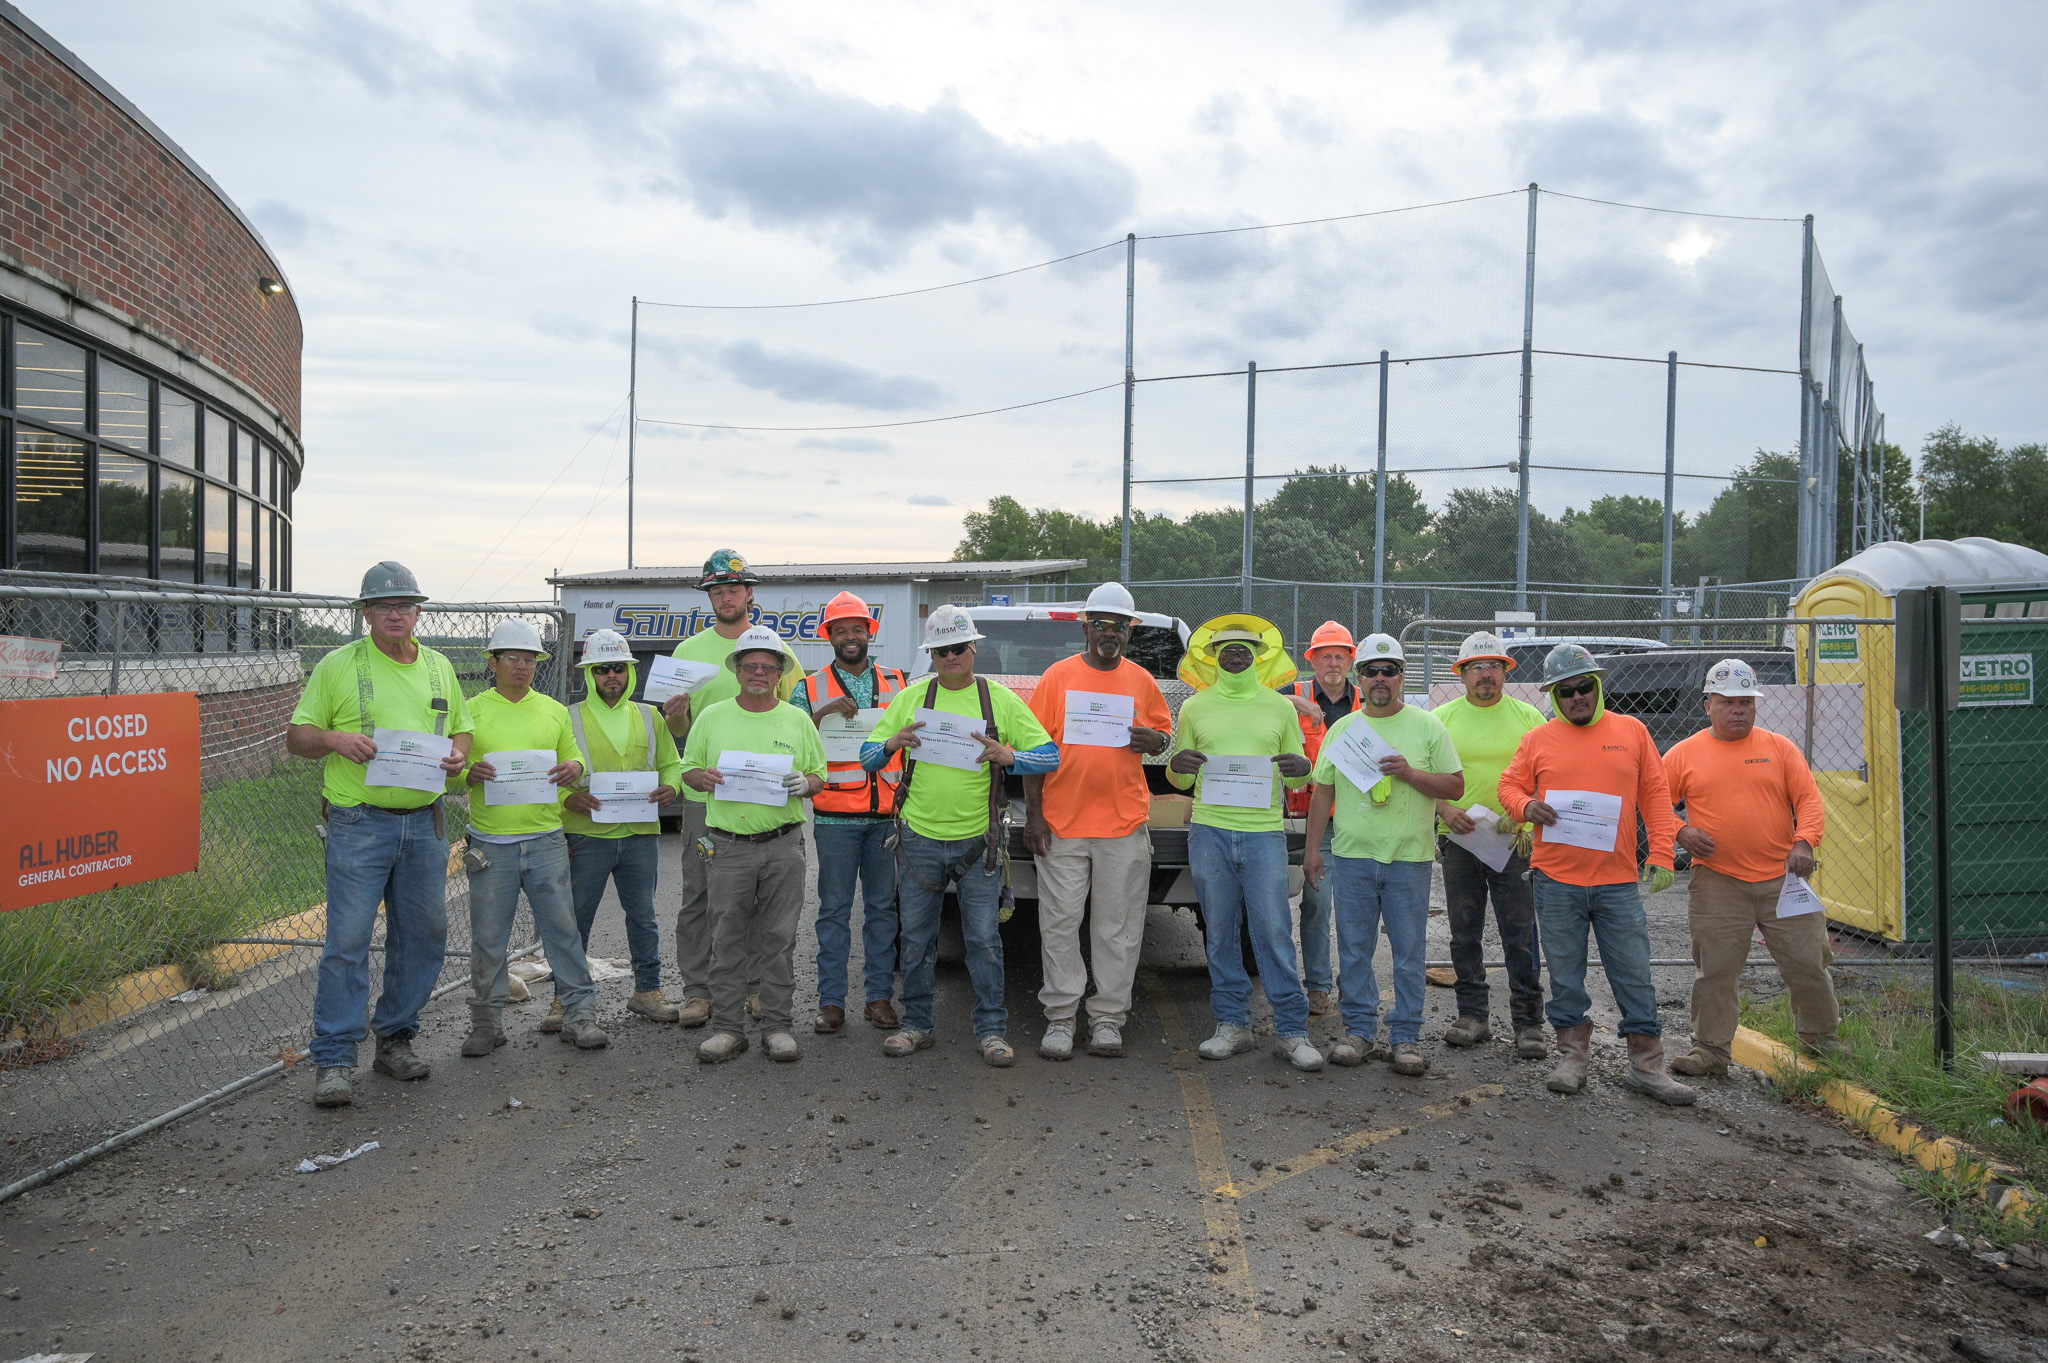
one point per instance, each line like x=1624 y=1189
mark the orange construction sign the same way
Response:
x=95 y=792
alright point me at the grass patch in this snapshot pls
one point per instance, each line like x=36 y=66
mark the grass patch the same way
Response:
x=1888 y=1036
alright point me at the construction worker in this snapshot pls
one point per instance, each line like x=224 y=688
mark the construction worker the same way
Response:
x=1088 y=823
x=1383 y=851
x=953 y=822
x=385 y=844
x=1236 y=847
x=850 y=820
x=618 y=734
x=755 y=842
x=1321 y=701
x=1487 y=724
x=729 y=583
x=1582 y=778
x=1753 y=816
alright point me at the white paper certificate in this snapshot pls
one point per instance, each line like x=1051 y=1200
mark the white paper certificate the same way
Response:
x=1358 y=751
x=842 y=737
x=409 y=760
x=1490 y=847
x=1585 y=818
x=1099 y=719
x=675 y=677
x=753 y=777
x=1797 y=898
x=948 y=739
x=622 y=796
x=1240 y=782
x=522 y=777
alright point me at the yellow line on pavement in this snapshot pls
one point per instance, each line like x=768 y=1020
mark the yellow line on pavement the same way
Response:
x=1325 y=1155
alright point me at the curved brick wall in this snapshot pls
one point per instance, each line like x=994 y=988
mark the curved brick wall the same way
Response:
x=92 y=198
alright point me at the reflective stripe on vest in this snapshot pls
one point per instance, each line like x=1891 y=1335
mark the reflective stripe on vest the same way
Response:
x=576 y=724
x=849 y=787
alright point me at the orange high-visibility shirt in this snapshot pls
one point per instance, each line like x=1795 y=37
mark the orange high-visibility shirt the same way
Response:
x=1614 y=755
x=1097 y=792
x=1753 y=797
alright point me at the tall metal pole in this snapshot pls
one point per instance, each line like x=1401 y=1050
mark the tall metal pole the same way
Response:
x=1936 y=645
x=1670 y=476
x=1130 y=387
x=632 y=419
x=1251 y=427
x=1884 y=528
x=1831 y=448
x=1804 y=556
x=1528 y=380
x=1379 y=515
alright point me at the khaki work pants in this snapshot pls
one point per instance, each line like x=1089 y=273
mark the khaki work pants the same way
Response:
x=1116 y=874
x=756 y=891
x=693 y=913
x=1725 y=914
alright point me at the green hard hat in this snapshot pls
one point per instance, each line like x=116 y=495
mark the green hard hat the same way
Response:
x=1567 y=661
x=387 y=580
x=726 y=565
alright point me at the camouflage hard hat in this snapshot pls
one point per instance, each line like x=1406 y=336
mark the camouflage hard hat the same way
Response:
x=1567 y=661
x=726 y=565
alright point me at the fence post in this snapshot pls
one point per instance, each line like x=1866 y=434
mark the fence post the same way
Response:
x=1935 y=645
x=1528 y=380
x=1803 y=555
x=1251 y=427
x=1812 y=680
x=114 y=660
x=1670 y=478
x=1130 y=383
x=1831 y=474
x=1379 y=520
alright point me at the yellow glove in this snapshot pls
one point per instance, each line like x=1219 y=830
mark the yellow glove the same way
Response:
x=1658 y=878
x=1525 y=840
x=1508 y=825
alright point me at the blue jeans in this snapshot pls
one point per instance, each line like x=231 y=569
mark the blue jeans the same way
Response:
x=847 y=851
x=540 y=866
x=1615 y=915
x=630 y=863
x=1315 y=924
x=924 y=863
x=1371 y=895
x=396 y=860
x=1241 y=879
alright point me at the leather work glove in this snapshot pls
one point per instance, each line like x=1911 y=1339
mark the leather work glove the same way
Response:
x=1658 y=878
x=1525 y=841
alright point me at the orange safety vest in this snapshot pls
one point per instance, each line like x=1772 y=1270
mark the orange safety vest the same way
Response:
x=1313 y=731
x=850 y=788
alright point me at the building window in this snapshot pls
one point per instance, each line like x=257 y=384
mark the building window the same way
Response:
x=218 y=448
x=49 y=378
x=124 y=406
x=124 y=515
x=245 y=543
x=220 y=505
x=177 y=427
x=49 y=502
x=179 y=518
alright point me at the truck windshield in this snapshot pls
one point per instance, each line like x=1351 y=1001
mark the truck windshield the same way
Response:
x=1025 y=648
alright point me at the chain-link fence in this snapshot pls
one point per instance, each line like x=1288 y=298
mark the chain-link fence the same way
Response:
x=121 y=1006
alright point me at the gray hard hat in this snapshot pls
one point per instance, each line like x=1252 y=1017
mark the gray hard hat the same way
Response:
x=387 y=580
x=1567 y=661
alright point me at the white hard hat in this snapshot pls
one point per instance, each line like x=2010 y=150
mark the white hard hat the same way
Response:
x=759 y=639
x=1111 y=598
x=1484 y=645
x=516 y=634
x=605 y=646
x=948 y=625
x=1376 y=646
x=1731 y=677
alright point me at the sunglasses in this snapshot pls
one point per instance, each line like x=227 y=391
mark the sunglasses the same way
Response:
x=951 y=650
x=1108 y=626
x=608 y=669
x=1584 y=688
x=1381 y=670
x=760 y=669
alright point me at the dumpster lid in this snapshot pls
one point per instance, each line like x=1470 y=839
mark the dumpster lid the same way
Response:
x=1968 y=564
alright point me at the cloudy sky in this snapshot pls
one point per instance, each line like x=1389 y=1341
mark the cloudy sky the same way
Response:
x=465 y=197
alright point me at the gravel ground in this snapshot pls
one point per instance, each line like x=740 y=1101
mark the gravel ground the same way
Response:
x=636 y=1205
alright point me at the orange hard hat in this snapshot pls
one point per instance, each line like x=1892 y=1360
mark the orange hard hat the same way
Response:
x=1330 y=634
x=847 y=606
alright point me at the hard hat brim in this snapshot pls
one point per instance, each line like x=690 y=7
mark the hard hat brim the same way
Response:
x=416 y=600
x=1731 y=690
x=1571 y=676
x=539 y=655
x=930 y=644
x=1501 y=658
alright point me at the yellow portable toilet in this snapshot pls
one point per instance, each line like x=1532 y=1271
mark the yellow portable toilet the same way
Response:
x=1870 y=761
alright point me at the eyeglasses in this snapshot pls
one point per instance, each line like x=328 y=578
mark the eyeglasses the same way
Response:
x=1381 y=669
x=507 y=660
x=386 y=608
x=951 y=650
x=608 y=669
x=1486 y=666
x=1584 y=688
x=759 y=668
x=1109 y=626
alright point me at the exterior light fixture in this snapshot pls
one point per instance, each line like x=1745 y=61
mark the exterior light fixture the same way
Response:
x=266 y=284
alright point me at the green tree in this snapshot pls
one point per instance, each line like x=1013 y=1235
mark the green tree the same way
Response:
x=1623 y=538
x=1007 y=531
x=1474 y=535
x=1751 y=532
x=1976 y=488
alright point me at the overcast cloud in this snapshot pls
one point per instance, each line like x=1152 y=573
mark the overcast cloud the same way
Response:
x=465 y=197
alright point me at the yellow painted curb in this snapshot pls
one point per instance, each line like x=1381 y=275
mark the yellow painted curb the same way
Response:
x=1992 y=1179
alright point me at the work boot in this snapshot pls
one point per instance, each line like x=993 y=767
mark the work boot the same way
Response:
x=1575 y=1053
x=997 y=1051
x=721 y=1046
x=881 y=1013
x=1354 y=1050
x=904 y=1041
x=584 y=1034
x=1646 y=1073
x=331 y=1087
x=1699 y=1063
x=1058 y=1041
x=1106 y=1039
x=1408 y=1060
x=694 y=1012
x=395 y=1058
x=653 y=1005
x=1298 y=1052
x=782 y=1046
x=1229 y=1040
x=1318 y=1003
x=553 y=1021
x=1468 y=1031
x=1531 y=1044
x=1828 y=1047
x=484 y=1037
